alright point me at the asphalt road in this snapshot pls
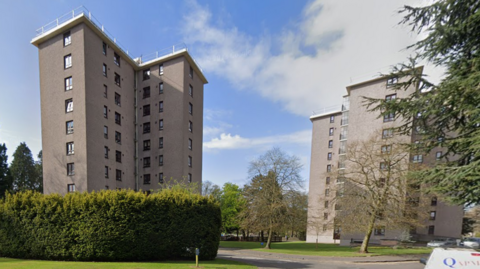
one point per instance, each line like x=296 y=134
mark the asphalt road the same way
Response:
x=264 y=260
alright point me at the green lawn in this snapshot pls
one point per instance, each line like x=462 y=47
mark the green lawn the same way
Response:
x=302 y=248
x=7 y=263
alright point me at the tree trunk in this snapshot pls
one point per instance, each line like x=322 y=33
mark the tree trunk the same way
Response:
x=248 y=233
x=261 y=236
x=237 y=233
x=366 y=239
x=269 y=241
x=316 y=244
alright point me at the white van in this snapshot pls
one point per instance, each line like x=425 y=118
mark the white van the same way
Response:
x=452 y=258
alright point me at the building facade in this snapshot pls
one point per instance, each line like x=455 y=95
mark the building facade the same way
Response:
x=331 y=134
x=110 y=121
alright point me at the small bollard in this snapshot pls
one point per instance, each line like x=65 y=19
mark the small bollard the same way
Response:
x=261 y=244
x=197 y=252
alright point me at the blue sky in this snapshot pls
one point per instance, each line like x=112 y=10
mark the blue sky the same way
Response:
x=269 y=63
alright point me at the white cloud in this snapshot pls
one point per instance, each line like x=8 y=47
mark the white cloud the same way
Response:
x=333 y=42
x=228 y=141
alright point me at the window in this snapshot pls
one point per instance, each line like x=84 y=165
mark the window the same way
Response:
x=104 y=48
x=383 y=166
x=70 y=169
x=390 y=97
x=106 y=171
x=386 y=149
x=190 y=161
x=325 y=216
x=327 y=180
x=386 y=133
x=118 y=137
x=433 y=215
x=160 y=125
x=189 y=178
x=160 y=88
x=326 y=204
x=70 y=148
x=160 y=106
x=146 y=74
x=392 y=81
x=105 y=112
x=104 y=70
x=68 y=84
x=160 y=160
x=329 y=156
x=190 y=144
x=68 y=105
x=67 y=60
x=324 y=227
x=190 y=108
x=431 y=229
x=160 y=178
x=105 y=151
x=146 y=162
x=379 y=230
x=67 y=39
x=118 y=118
x=329 y=168
x=105 y=132
x=117 y=79
x=146 y=110
x=417 y=158
x=332 y=119
x=146 y=144
x=438 y=155
x=70 y=187
x=118 y=99
x=327 y=192
x=118 y=156
x=105 y=91
x=381 y=182
x=160 y=142
x=190 y=126
x=191 y=72
x=190 y=90
x=330 y=144
x=118 y=175
x=146 y=92
x=433 y=202
x=330 y=132
x=389 y=117
x=160 y=69
x=146 y=127
x=116 y=59
x=69 y=126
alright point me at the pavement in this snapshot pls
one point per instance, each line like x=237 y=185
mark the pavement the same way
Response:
x=280 y=260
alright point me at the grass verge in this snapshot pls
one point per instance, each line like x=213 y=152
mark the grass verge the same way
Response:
x=302 y=248
x=7 y=263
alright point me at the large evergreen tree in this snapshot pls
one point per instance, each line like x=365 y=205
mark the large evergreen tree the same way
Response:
x=23 y=171
x=447 y=114
x=5 y=179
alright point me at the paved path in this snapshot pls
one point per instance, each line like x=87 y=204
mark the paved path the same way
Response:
x=288 y=261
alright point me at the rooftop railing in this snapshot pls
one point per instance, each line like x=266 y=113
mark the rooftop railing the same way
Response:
x=335 y=108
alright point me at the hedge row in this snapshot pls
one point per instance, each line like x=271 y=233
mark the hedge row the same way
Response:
x=109 y=226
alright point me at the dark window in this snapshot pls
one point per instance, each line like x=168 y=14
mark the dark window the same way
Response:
x=68 y=105
x=381 y=182
x=330 y=144
x=190 y=144
x=392 y=81
x=417 y=158
x=160 y=125
x=160 y=160
x=160 y=106
x=190 y=108
x=431 y=229
x=160 y=87
x=189 y=178
x=433 y=202
x=146 y=127
x=146 y=74
x=329 y=168
x=160 y=142
x=146 y=179
x=106 y=171
x=160 y=178
x=118 y=175
x=67 y=60
x=383 y=166
x=327 y=192
x=190 y=126
x=118 y=156
x=70 y=187
x=116 y=59
x=70 y=150
x=146 y=144
x=160 y=69
x=389 y=117
x=329 y=156
x=146 y=162
x=105 y=90
x=105 y=151
x=104 y=48
x=146 y=110
x=68 y=83
x=332 y=119
x=118 y=118
x=70 y=169
x=105 y=132
x=118 y=99
x=327 y=180
x=433 y=215
x=379 y=230
x=386 y=149
x=190 y=161
x=104 y=69
x=67 y=39
x=325 y=216
x=438 y=155
x=190 y=90
x=386 y=133
x=146 y=92
x=330 y=132
x=390 y=97
x=69 y=125
x=118 y=137
x=191 y=72
x=105 y=112
x=326 y=204
x=117 y=79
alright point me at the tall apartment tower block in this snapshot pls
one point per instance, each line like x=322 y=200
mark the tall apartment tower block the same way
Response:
x=332 y=132
x=110 y=121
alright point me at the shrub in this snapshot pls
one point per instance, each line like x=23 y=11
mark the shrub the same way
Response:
x=109 y=226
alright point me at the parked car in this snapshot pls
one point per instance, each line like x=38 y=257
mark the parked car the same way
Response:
x=442 y=242
x=471 y=242
x=452 y=258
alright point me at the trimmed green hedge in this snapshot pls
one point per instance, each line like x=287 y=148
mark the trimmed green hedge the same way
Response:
x=109 y=226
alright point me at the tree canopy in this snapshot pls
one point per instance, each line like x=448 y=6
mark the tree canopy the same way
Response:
x=24 y=174
x=5 y=179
